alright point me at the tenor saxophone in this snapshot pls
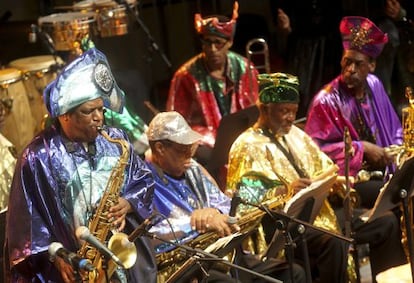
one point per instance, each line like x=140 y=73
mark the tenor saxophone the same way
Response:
x=100 y=225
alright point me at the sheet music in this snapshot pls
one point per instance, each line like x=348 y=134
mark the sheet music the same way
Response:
x=222 y=242
x=318 y=190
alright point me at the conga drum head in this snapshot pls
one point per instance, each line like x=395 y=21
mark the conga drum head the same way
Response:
x=41 y=63
x=66 y=28
x=9 y=75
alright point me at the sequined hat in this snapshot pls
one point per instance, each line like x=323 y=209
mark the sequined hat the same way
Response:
x=360 y=34
x=215 y=26
x=86 y=78
x=278 y=88
x=172 y=126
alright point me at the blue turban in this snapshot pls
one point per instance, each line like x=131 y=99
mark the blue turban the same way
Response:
x=86 y=78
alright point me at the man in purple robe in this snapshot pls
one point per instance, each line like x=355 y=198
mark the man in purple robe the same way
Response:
x=65 y=172
x=356 y=100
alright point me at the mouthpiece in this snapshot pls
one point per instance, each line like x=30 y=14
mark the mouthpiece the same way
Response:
x=99 y=128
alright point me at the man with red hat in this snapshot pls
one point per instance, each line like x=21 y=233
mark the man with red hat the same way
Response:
x=357 y=100
x=214 y=83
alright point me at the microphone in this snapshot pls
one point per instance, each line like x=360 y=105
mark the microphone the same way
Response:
x=33 y=33
x=83 y=233
x=142 y=228
x=235 y=201
x=57 y=249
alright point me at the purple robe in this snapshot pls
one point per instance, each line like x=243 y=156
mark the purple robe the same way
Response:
x=331 y=111
x=51 y=179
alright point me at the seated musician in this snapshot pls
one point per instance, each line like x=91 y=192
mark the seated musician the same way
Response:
x=191 y=201
x=274 y=158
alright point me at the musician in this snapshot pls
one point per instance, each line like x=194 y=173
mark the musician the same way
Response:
x=191 y=201
x=276 y=159
x=357 y=100
x=64 y=172
x=8 y=155
x=214 y=83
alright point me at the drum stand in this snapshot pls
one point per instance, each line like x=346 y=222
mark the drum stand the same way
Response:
x=153 y=44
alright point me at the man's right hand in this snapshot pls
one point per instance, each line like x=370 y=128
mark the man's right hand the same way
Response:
x=376 y=156
x=210 y=219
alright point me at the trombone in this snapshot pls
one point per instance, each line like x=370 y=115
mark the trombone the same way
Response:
x=257 y=49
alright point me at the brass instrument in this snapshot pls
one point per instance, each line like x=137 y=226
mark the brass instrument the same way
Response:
x=262 y=51
x=405 y=152
x=254 y=53
x=100 y=225
x=171 y=262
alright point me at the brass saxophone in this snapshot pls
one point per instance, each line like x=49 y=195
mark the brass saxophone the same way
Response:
x=173 y=262
x=100 y=225
x=405 y=153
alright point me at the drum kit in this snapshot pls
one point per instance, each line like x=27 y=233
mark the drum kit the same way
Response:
x=23 y=81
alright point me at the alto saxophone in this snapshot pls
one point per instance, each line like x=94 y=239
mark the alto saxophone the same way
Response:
x=100 y=225
x=173 y=263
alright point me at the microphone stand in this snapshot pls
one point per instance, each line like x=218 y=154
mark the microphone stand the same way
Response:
x=151 y=39
x=200 y=255
x=282 y=222
x=347 y=201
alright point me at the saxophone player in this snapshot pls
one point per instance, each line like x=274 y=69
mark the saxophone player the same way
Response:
x=63 y=174
x=192 y=202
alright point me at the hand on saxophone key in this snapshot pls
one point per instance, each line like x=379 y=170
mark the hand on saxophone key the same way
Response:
x=118 y=212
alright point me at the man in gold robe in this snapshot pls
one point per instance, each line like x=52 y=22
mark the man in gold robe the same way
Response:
x=274 y=159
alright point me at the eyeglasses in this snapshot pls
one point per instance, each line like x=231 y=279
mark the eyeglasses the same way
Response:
x=218 y=44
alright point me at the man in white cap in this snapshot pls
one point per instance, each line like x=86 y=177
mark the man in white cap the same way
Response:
x=192 y=202
x=65 y=172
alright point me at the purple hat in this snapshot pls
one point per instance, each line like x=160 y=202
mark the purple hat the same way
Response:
x=360 y=34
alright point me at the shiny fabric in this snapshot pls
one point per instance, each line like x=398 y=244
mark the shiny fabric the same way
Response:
x=56 y=185
x=248 y=157
x=85 y=78
x=213 y=26
x=172 y=126
x=176 y=199
x=133 y=125
x=332 y=110
x=203 y=100
x=278 y=88
x=360 y=34
x=7 y=164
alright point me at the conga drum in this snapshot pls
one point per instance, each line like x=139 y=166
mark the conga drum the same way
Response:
x=399 y=274
x=19 y=126
x=38 y=72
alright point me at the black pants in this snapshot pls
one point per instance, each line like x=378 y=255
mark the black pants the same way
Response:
x=383 y=236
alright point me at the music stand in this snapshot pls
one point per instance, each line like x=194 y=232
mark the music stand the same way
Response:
x=194 y=267
x=300 y=209
x=398 y=190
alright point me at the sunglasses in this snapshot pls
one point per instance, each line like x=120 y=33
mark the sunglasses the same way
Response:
x=218 y=44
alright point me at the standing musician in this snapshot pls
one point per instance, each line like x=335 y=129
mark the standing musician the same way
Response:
x=193 y=204
x=64 y=173
x=214 y=83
